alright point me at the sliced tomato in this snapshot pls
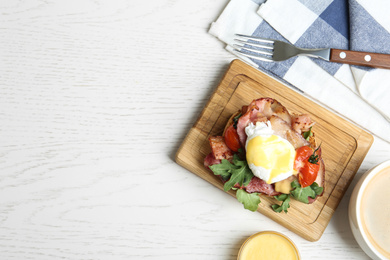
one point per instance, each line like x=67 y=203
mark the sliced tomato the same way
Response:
x=306 y=163
x=302 y=155
x=231 y=139
x=308 y=174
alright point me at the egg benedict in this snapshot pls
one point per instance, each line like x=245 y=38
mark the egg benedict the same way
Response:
x=266 y=150
x=269 y=156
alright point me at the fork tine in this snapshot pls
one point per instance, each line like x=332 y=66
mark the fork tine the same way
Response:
x=265 y=44
x=255 y=38
x=256 y=57
x=241 y=47
x=255 y=44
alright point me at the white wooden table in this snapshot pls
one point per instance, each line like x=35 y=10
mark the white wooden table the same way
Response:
x=95 y=99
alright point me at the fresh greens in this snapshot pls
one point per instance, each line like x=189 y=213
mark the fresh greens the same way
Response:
x=285 y=204
x=235 y=172
x=251 y=201
x=235 y=120
x=302 y=194
x=317 y=189
x=299 y=193
x=314 y=157
x=308 y=134
x=223 y=169
x=238 y=172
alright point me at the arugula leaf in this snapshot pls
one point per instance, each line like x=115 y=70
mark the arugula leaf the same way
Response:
x=248 y=175
x=282 y=197
x=308 y=134
x=223 y=169
x=285 y=204
x=233 y=173
x=250 y=200
x=238 y=162
x=238 y=176
x=298 y=193
x=302 y=194
x=235 y=120
x=238 y=171
x=317 y=189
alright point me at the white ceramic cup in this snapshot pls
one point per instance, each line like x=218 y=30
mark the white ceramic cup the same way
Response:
x=355 y=212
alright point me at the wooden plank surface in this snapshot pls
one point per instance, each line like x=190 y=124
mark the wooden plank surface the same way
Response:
x=344 y=145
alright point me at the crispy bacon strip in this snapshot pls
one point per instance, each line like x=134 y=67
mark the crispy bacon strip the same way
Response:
x=219 y=148
x=258 y=185
x=210 y=160
x=283 y=129
x=301 y=123
x=261 y=110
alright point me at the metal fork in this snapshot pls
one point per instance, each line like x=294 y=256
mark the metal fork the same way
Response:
x=273 y=50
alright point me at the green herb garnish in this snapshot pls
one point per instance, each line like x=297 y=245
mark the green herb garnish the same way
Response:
x=235 y=120
x=238 y=171
x=308 y=134
x=314 y=157
x=251 y=201
x=285 y=204
x=299 y=193
x=235 y=172
x=303 y=194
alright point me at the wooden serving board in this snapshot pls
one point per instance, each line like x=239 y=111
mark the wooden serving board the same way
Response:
x=344 y=145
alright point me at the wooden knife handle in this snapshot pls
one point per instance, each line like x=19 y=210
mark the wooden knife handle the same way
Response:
x=369 y=59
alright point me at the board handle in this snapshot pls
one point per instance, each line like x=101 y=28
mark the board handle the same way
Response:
x=369 y=59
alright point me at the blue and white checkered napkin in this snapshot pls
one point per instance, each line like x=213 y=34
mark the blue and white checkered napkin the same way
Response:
x=360 y=94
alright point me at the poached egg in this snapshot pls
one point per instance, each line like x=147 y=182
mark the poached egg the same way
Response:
x=269 y=156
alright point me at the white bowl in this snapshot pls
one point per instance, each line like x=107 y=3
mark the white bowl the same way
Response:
x=356 y=216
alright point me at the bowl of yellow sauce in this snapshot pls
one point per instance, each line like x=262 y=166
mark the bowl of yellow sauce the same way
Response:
x=268 y=245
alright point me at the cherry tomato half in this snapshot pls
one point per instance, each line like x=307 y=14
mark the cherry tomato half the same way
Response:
x=307 y=165
x=231 y=139
x=308 y=174
x=302 y=155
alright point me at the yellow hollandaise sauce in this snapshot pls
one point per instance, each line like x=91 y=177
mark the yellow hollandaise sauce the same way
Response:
x=268 y=245
x=270 y=158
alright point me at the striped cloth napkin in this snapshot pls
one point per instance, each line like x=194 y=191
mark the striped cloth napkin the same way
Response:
x=358 y=93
